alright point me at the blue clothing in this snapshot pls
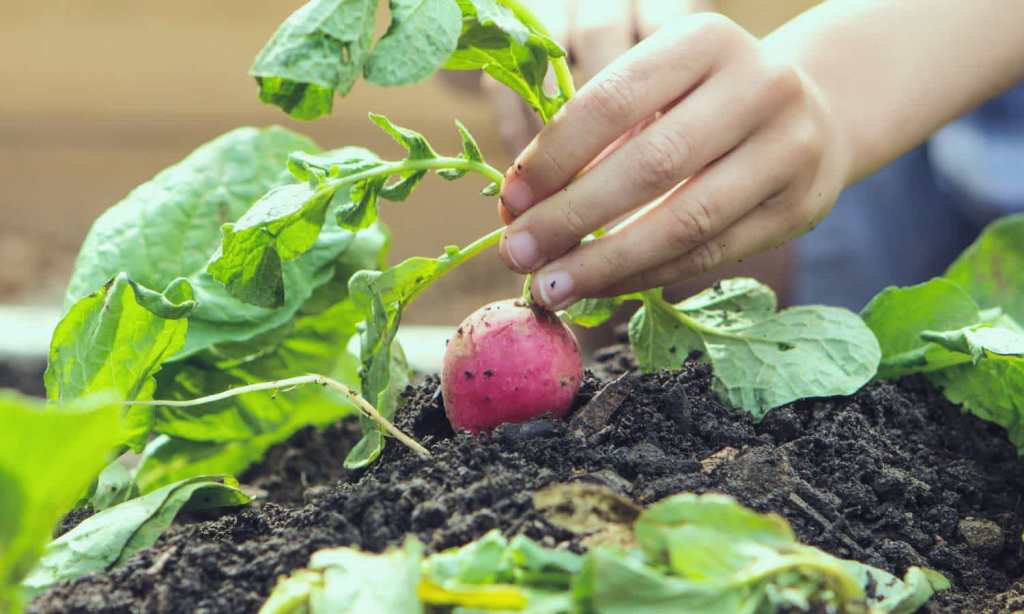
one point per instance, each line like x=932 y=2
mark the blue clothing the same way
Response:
x=909 y=221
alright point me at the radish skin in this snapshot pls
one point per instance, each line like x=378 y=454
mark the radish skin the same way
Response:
x=509 y=362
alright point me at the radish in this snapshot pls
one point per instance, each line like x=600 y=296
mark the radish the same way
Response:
x=509 y=362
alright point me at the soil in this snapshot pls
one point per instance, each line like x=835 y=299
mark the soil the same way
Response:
x=893 y=476
x=23 y=374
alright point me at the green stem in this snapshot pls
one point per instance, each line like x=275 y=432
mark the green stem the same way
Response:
x=563 y=75
x=313 y=378
x=655 y=297
x=459 y=258
x=439 y=163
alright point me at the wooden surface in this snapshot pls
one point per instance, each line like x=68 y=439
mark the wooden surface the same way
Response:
x=101 y=94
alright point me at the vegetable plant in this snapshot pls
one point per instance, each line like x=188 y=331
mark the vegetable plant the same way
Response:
x=263 y=255
x=702 y=554
x=963 y=329
x=250 y=265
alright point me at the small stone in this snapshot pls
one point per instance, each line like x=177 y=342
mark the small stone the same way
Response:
x=983 y=536
x=717 y=458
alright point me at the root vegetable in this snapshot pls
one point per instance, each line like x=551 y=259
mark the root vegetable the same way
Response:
x=509 y=362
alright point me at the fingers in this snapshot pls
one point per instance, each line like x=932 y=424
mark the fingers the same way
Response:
x=678 y=145
x=766 y=227
x=690 y=216
x=600 y=33
x=644 y=80
x=652 y=15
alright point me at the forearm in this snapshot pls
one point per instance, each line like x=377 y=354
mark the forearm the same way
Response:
x=894 y=71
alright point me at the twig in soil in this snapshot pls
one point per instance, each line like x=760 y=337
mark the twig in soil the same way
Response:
x=291 y=382
x=817 y=516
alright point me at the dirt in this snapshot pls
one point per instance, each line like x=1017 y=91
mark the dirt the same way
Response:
x=893 y=476
x=23 y=374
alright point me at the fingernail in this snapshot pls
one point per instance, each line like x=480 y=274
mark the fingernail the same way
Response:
x=555 y=288
x=521 y=248
x=516 y=194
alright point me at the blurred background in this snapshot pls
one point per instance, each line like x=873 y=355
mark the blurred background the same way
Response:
x=99 y=95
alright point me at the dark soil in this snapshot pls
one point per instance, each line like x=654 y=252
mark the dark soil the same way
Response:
x=893 y=476
x=23 y=374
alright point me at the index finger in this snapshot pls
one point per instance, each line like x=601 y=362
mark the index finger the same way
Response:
x=644 y=80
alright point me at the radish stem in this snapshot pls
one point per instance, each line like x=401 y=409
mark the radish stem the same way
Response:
x=312 y=378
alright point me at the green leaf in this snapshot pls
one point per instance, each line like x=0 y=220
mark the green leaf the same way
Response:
x=734 y=559
x=180 y=212
x=890 y=594
x=114 y=485
x=936 y=325
x=321 y=48
x=168 y=227
x=702 y=554
x=993 y=390
x=228 y=436
x=761 y=358
x=494 y=40
x=992 y=269
x=286 y=223
x=660 y=340
x=347 y=581
x=49 y=455
x=109 y=537
x=592 y=312
x=470 y=151
x=731 y=304
x=422 y=34
x=116 y=340
x=898 y=316
x=978 y=340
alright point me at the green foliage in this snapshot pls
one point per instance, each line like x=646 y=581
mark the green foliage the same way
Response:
x=229 y=435
x=116 y=340
x=321 y=48
x=495 y=41
x=962 y=329
x=109 y=537
x=423 y=33
x=198 y=337
x=992 y=269
x=761 y=358
x=285 y=224
x=49 y=455
x=324 y=47
x=702 y=554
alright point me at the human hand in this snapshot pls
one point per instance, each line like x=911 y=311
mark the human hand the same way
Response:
x=594 y=33
x=734 y=145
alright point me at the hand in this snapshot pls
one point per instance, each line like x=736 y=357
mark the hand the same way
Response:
x=594 y=32
x=731 y=148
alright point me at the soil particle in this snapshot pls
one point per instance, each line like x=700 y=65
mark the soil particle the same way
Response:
x=892 y=476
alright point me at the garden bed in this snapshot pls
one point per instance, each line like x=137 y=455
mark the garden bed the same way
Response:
x=892 y=476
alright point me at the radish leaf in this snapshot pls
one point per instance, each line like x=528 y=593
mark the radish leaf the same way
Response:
x=109 y=537
x=49 y=455
x=286 y=222
x=992 y=269
x=321 y=48
x=116 y=340
x=423 y=33
x=760 y=358
x=494 y=40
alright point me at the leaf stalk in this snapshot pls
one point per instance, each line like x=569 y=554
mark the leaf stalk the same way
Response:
x=313 y=378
